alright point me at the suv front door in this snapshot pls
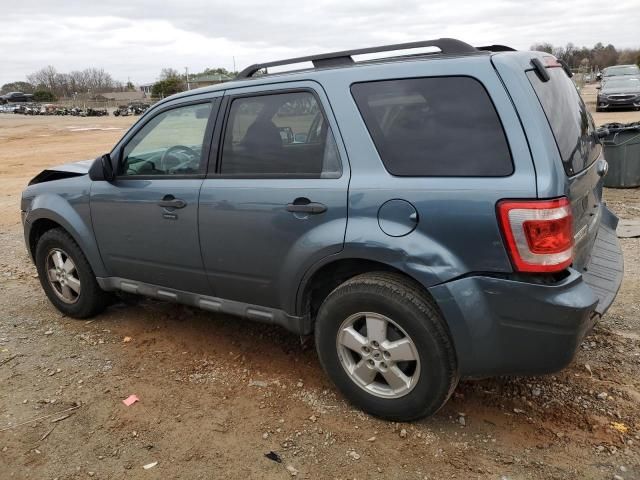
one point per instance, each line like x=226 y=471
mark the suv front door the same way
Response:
x=145 y=221
x=277 y=201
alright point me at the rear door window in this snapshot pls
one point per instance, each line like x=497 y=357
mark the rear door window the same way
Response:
x=279 y=135
x=569 y=119
x=438 y=126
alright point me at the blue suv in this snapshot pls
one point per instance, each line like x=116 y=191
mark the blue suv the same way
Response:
x=426 y=216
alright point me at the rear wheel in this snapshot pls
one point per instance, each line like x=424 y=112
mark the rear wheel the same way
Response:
x=381 y=339
x=67 y=277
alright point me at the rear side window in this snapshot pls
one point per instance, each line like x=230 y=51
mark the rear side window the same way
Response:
x=279 y=135
x=439 y=126
x=569 y=119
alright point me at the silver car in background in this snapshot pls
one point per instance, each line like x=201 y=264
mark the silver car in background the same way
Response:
x=619 y=92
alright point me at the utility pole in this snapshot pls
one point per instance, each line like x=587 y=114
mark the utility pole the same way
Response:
x=234 y=63
x=186 y=70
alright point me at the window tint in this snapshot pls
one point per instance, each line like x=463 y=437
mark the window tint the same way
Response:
x=569 y=119
x=169 y=144
x=279 y=135
x=441 y=126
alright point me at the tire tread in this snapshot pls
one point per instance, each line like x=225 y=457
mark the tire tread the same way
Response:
x=93 y=299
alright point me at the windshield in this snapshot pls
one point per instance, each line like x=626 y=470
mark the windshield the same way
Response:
x=569 y=119
x=622 y=83
x=622 y=70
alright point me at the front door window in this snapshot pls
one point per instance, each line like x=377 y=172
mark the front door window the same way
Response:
x=171 y=143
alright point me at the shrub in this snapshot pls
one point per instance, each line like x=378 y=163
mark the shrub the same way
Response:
x=44 y=96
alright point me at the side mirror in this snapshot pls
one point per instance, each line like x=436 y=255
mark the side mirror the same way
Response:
x=286 y=135
x=102 y=169
x=107 y=167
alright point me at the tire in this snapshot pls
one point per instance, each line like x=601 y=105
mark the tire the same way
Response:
x=90 y=299
x=412 y=314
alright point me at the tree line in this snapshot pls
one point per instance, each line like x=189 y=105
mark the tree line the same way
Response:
x=48 y=82
x=598 y=57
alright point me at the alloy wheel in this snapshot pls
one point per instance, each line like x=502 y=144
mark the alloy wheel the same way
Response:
x=378 y=355
x=63 y=276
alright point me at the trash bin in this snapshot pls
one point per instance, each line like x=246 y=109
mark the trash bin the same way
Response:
x=622 y=152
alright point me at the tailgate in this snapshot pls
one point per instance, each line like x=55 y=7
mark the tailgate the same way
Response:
x=604 y=268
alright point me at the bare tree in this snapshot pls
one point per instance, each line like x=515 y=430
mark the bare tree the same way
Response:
x=44 y=78
x=542 y=47
x=167 y=73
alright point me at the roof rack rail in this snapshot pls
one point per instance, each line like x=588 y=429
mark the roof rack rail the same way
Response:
x=496 y=48
x=446 y=46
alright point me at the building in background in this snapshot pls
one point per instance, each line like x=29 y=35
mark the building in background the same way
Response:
x=195 y=81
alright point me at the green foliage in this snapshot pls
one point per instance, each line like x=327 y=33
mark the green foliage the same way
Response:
x=44 y=96
x=169 y=73
x=130 y=87
x=217 y=71
x=167 y=87
x=24 y=87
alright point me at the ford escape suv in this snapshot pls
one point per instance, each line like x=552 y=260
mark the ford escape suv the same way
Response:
x=426 y=216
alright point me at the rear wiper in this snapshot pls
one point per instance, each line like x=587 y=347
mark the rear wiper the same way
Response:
x=565 y=67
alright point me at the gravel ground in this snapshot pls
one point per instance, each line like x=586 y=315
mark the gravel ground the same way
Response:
x=218 y=393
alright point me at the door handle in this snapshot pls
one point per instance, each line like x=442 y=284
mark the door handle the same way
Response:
x=169 y=201
x=304 y=205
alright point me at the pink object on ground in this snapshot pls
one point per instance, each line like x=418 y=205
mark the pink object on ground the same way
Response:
x=130 y=400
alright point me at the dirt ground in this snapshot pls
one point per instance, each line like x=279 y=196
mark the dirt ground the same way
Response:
x=218 y=393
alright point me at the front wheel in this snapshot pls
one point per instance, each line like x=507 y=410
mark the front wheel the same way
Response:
x=67 y=277
x=382 y=341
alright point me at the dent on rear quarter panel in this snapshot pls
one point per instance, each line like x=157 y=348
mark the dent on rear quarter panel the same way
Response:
x=458 y=230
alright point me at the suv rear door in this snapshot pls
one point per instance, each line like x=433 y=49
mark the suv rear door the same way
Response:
x=275 y=202
x=569 y=161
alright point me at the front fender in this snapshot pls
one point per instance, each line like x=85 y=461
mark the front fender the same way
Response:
x=74 y=216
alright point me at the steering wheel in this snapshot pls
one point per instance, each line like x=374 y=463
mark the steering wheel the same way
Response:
x=170 y=160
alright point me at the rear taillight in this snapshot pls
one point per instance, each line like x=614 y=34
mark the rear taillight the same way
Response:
x=538 y=233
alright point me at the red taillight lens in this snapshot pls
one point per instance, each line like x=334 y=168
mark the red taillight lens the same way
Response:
x=539 y=234
x=544 y=236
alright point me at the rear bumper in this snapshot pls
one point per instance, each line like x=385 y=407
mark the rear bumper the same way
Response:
x=503 y=327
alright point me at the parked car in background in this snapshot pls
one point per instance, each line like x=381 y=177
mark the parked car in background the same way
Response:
x=13 y=97
x=619 y=92
x=426 y=217
x=620 y=71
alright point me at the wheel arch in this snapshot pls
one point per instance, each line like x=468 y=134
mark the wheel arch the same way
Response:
x=56 y=212
x=321 y=281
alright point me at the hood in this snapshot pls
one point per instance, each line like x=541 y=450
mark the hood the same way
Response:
x=68 y=170
x=80 y=167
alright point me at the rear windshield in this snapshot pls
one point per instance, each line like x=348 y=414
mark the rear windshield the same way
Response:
x=570 y=121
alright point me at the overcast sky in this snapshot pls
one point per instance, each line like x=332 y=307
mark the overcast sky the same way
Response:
x=136 y=38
